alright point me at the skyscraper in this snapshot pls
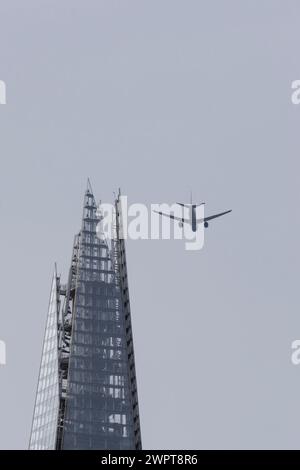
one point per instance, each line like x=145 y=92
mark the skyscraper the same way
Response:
x=87 y=391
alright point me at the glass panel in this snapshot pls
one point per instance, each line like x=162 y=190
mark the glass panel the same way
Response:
x=43 y=434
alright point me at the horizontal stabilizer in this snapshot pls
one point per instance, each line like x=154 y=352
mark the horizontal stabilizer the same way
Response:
x=189 y=205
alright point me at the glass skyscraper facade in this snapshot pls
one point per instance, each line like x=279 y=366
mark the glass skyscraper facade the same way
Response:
x=43 y=434
x=87 y=391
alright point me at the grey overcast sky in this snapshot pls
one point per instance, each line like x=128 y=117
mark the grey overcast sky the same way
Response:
x=160 y=97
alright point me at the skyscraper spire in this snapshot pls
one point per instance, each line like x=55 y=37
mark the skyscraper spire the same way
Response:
x=94 y=401
x=89 y=186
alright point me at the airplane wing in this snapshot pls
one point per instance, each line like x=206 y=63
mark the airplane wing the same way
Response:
x=180 y=219
x=206 y=219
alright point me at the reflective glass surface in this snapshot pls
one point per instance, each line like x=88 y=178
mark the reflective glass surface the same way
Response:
x=43 y=433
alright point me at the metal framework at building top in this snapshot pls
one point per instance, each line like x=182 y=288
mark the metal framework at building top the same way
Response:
x=87 y=389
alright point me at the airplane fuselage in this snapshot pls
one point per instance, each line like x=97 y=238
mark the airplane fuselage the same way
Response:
x=193 y=218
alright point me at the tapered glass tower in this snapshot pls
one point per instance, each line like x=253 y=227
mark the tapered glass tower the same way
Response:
x=87 y=392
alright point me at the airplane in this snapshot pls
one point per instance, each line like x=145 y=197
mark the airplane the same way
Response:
x=192 y=219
